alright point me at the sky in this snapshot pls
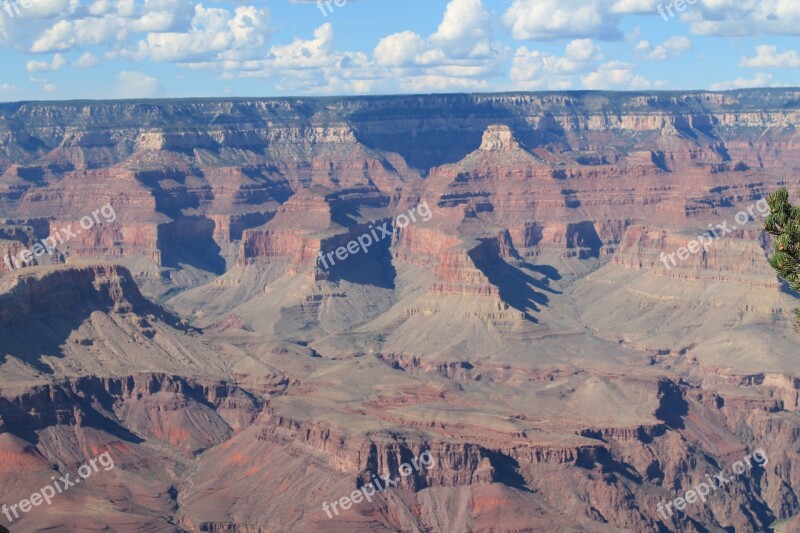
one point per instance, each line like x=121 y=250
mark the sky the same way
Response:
x=108 y=49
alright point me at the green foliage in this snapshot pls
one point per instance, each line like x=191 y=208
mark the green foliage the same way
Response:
x=378 y=338
x=783 y=222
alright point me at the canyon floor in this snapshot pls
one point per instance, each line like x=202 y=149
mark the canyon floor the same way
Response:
x=537 y=330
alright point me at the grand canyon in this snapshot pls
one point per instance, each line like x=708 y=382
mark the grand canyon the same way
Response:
x=543 y=336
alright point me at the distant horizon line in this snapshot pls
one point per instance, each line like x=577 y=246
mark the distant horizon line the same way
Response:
x=410 y=95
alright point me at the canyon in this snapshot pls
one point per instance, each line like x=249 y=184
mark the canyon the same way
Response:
x=529 y=335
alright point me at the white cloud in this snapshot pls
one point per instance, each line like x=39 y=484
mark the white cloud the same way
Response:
x=618 y=75
x=744 y=17
x=317 y=52
x=113 y=21
x=566 y=19
x=558 y=19
x=48 y=8
x=133 y=84
x=399 y=50
x=634 y=6
x=464 y=30
x=460 y=55
x=231 y=39
x=43 y=66
x=600 y=19
x=669 y=48
x=532 y=69
x=215 y=34
x=768 y=57
x=125 y=8
x=581 y=50
x=761 y=80
x=38 y=66
x=86 y=60
x=66 y=34
x=310 y=65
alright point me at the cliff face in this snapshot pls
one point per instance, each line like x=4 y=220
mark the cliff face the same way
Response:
x=525 y=313
x=563 y=173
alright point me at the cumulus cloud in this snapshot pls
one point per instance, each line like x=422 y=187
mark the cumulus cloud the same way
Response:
x=567 y=19
x=600 y=19
x=618 y=75
x=214 y=34
x=669 y=48
x=532 y=69
x=303 y=54
x=744 y=17
x=104 y=22
x=760 y=80
x=311 y=65
x=233 y=39
x=86 y=60
x=399 y=50
x=464 y=29
x=459 y=55
x=559 y=19
x=48 y=8
x=67 y=34
x=768 y=57
x=43 y=66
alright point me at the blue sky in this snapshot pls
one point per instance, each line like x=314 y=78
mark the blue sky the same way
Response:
x=67 y=49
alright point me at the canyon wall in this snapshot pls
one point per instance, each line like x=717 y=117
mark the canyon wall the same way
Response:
x=529 y=310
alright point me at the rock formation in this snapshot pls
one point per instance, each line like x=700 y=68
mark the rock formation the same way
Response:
x=529 y=334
